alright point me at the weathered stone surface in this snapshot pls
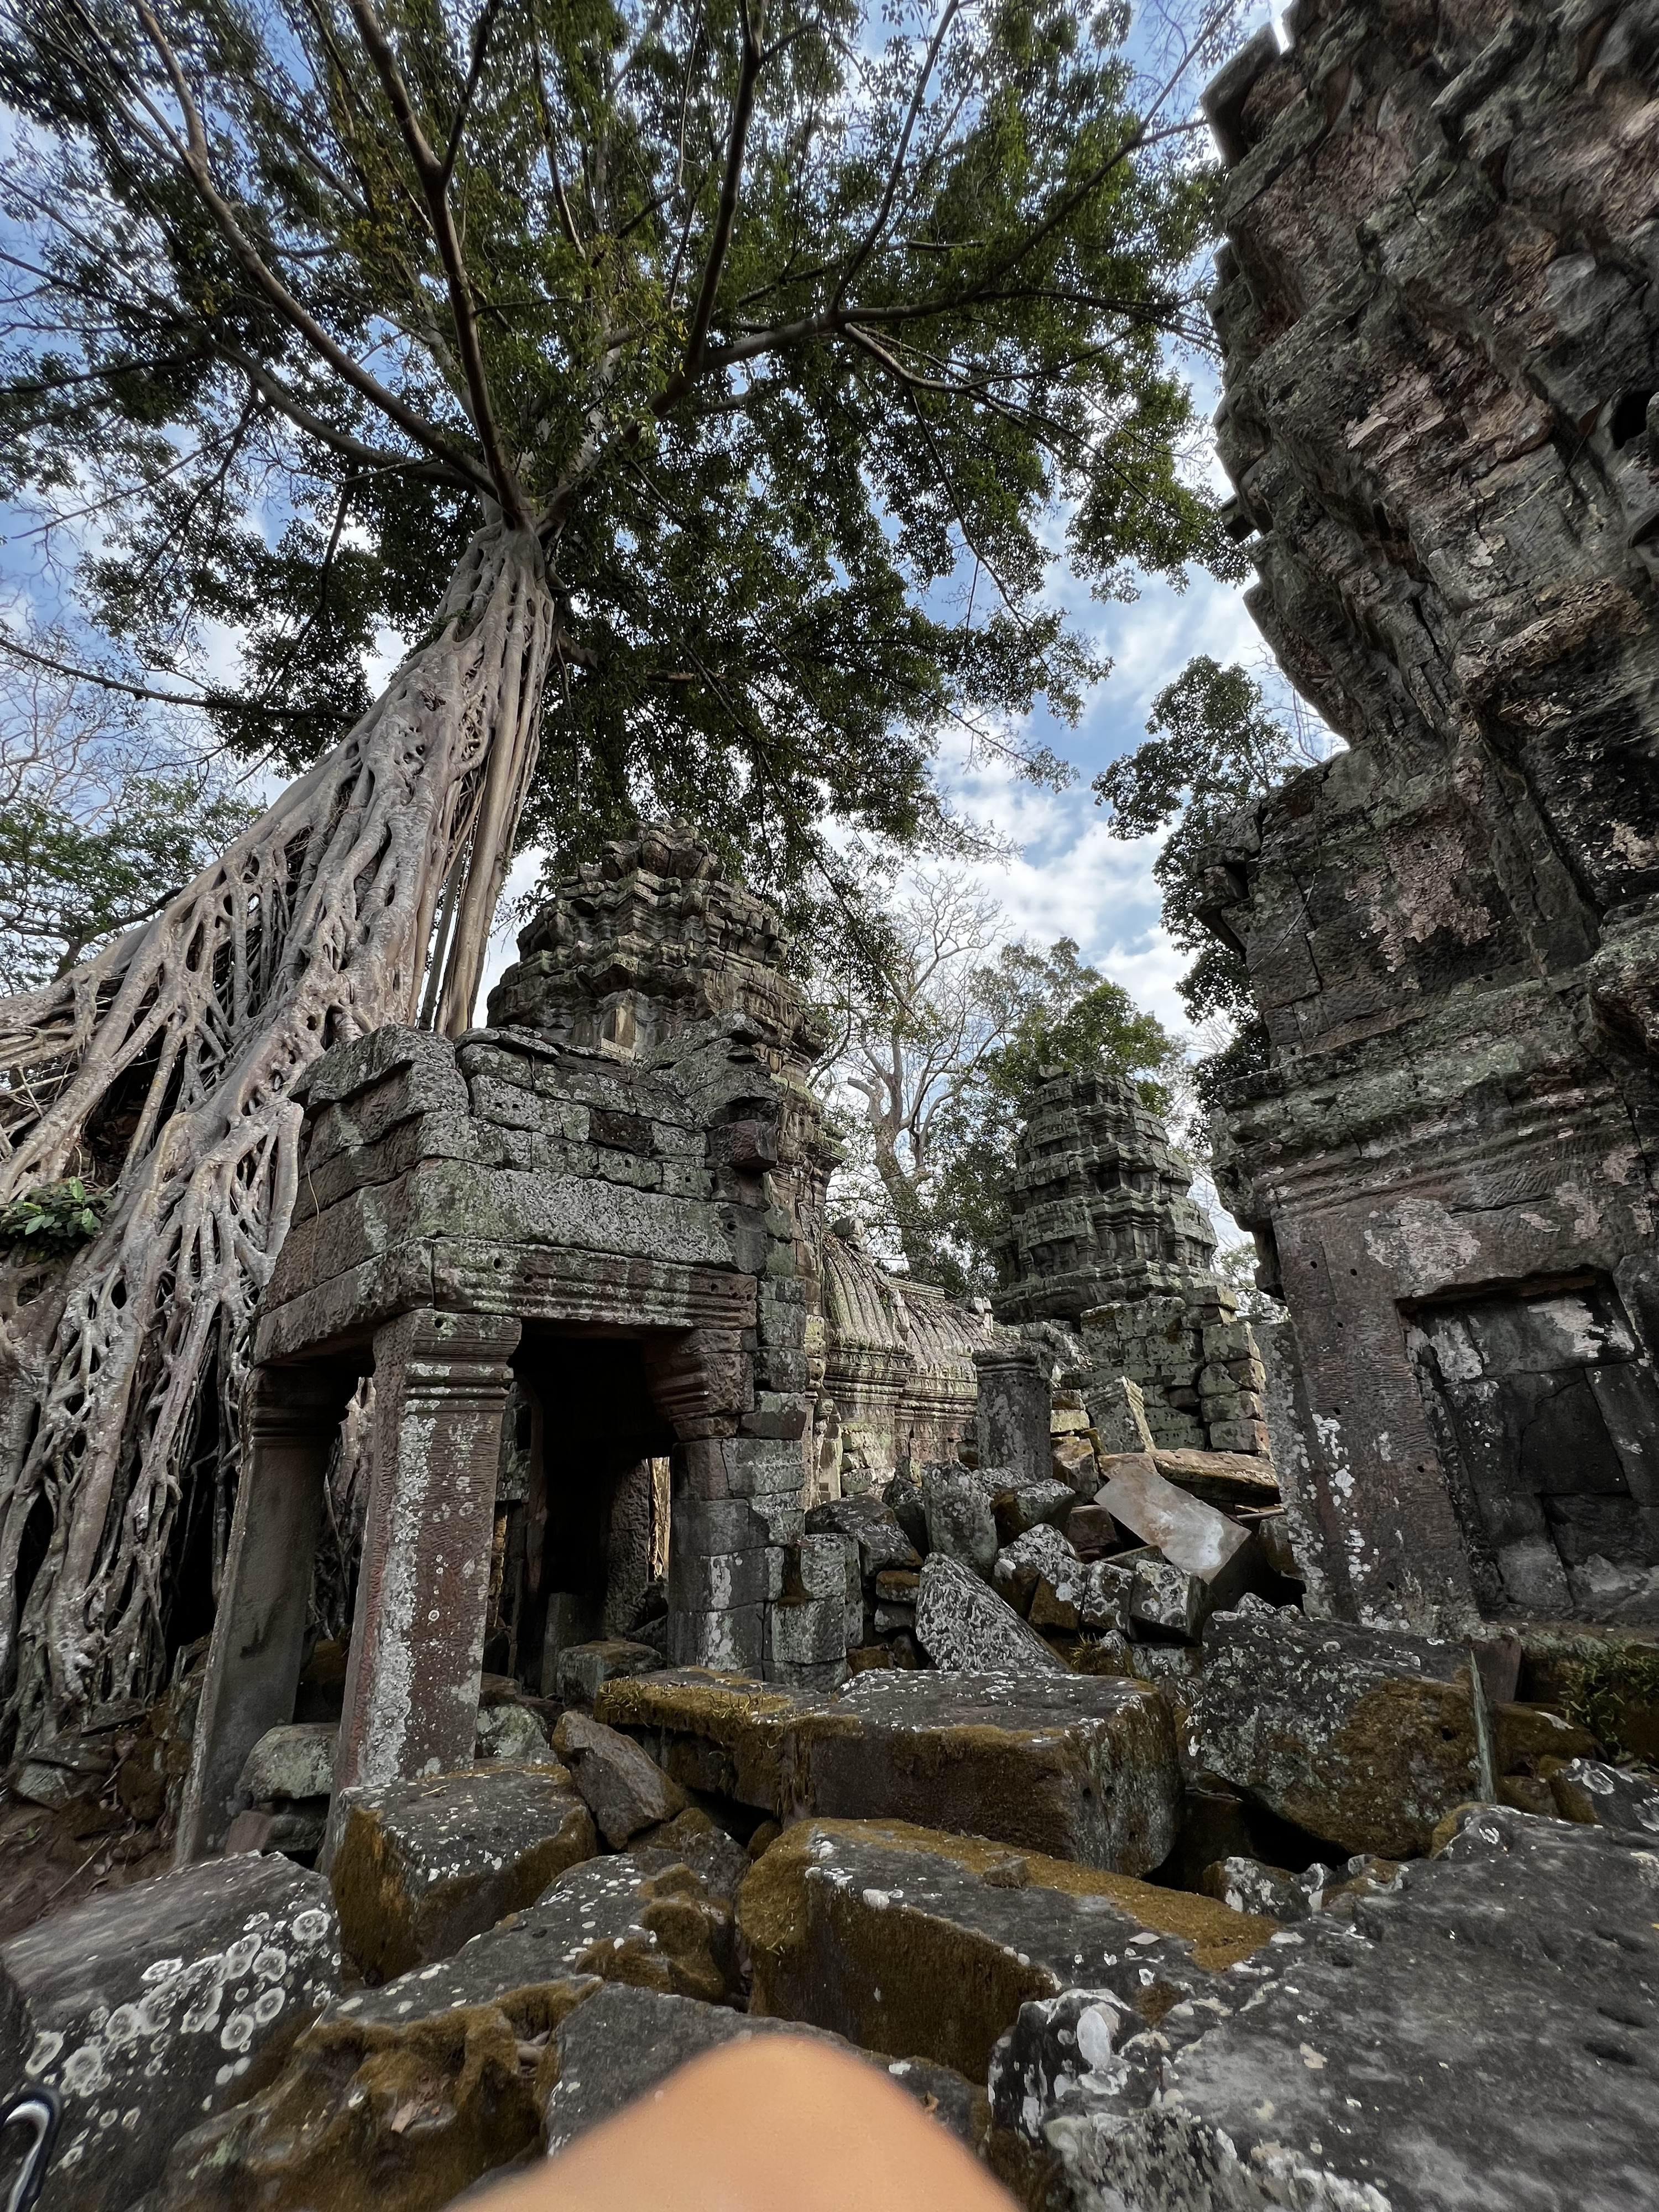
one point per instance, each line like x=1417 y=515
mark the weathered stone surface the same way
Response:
x=872 y=1527
x=956 y=1506
x=620 y=2045
x=906 y=1938
x=515 y=1736
x=296 y=1761
x=1040 y=1552
x=1470 y=2041
x=455 y=2045
x=623 y=1789
x=1439 y=325
x=1119 y=1412
x=1363 y=1737
x=1588 y=1789
x=707 y=1730
x=156 y=2004
x=1096 y=1180
x=422 y=1865
x=1079 y=1766
x=585 y=1669
x=964 y=1627
x=1166 y=1601
x=1033 y=1505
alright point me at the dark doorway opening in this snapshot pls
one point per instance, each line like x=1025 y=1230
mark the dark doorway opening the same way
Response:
x=581 y=1521
x=1545 y=1410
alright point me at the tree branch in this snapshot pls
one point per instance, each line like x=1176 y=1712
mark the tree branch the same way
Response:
x=871 y=237
x=743 y=112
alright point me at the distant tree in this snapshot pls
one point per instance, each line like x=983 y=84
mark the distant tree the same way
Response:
x=943 y=1056
x=1215 y=749
x=101 y=822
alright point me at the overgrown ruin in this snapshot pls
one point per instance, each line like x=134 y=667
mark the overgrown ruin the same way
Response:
x=1209 y=1764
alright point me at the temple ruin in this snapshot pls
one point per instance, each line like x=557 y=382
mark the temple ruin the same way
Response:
x=1442 y=349
x=747 y=1640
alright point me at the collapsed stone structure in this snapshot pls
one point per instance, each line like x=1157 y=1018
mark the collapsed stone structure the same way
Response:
x=1437 y=306
x=1105 y=1237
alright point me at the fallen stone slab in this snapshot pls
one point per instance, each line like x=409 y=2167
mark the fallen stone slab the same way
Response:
x=873 y=1526
x=1190 y=1535
x=1038 y=1553
x=515 y=1736
x=422 y=1865
x=1479 y=2036
x=287 y=1763
x=166 y=2000
x=964 y=1627
x=583 y=1669
x=1165 y=1601
x=624 y=1789
x=623 y=2042
x=956 y=1505
x=721 y=1733
x=1227 y=1480
x=1363 y=1737
x=902 y=1937
x=1032 y=1505
x=1080 y=1766
x=455 y=2045
x=1587 y=1789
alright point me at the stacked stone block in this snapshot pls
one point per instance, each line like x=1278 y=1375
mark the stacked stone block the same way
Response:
x=1195 y=1362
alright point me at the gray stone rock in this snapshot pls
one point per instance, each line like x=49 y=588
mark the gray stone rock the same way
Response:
x=1030 y=1505
x=622 y=2042
x=296 y=1761
x=956 y=1507
x=422 y=1865
x=150 y=2006
x=1099 y=1592
x=908 y=1939
x=964 y=1626
x=1041 y=1551
x=1078 y=1766
x=1360 y=1735
x=514 y=1735
x=584 y=1668
x=1588 y=1789
x=1119 y=1412
x=1477 y=2037
x=623 y=1787
x=873 y=1527
x=1166 y=1601
x=1248 y=1885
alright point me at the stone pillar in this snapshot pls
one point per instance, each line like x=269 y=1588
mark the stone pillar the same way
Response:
x=412 y=1697
x=1013 y=1420
x=290 y=1419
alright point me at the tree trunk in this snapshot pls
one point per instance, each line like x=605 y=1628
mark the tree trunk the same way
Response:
x=911 y=1215
x=163 y=1069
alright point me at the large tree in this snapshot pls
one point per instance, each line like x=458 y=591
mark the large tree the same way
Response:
x=938 y=1054
x=653 y=368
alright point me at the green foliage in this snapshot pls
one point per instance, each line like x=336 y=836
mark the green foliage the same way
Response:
x=53 y=1218
x=1614 y=1694
x=1215 y=749
x=789 y=334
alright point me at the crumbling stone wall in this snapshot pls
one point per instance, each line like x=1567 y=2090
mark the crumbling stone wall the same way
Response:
x=1438 y=306
x=1193 y=1361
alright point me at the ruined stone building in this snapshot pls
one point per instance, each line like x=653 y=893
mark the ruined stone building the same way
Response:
x=1104 y=1236
x=1439 y=304
x=576 y=1250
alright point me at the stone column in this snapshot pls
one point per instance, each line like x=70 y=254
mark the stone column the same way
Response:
x=412 y=1697
x=290 y=1418
x=1012 y=1419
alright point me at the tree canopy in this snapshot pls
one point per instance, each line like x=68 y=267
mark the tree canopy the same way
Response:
x=1215 y=748
x=787 y=334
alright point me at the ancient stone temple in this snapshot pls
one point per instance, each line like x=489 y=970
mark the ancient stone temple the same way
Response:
x=1105 y=1237
x=600 y=1216
x=1437 y=302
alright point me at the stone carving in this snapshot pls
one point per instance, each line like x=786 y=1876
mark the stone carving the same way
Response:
x=1441 y=356
x=1099 y=1206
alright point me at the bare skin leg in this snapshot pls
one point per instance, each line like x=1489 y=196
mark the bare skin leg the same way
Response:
x=776 y=2124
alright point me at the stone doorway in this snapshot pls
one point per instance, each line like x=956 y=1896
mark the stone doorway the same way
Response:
x=580 y=1545
x=1544 y=1411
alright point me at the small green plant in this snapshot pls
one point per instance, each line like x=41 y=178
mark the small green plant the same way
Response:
x=54 y=1218
x=1615 y=1695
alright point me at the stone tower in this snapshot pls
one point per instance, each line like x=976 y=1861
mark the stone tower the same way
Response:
x=1441 y=413
x=1099 y=1206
